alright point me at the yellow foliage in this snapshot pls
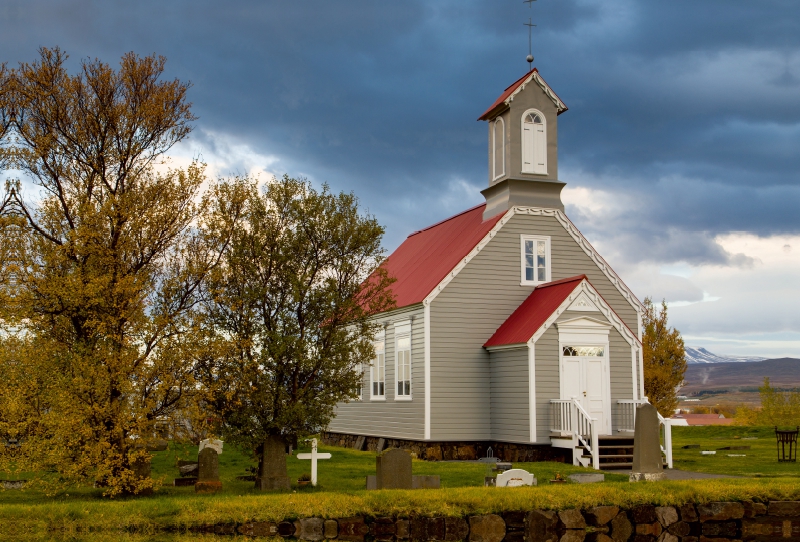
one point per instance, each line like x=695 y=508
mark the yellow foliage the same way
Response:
x=664 y=359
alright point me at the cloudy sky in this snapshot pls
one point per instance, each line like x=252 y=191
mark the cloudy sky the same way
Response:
x=680 y=147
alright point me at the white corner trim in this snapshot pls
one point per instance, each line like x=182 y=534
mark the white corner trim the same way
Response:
x=464 y=261
x=532 y=390
x=635 y=391
x=427 y=348
x=560 y=106
x=605 y=310
x=588 y=249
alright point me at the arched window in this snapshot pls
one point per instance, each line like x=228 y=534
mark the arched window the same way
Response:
x=534 y=142
x=498 y=148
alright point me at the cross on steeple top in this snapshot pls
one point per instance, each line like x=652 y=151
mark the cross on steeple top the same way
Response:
x=530 y=26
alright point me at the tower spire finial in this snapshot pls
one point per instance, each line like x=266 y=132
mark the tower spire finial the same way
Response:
x=530 y=26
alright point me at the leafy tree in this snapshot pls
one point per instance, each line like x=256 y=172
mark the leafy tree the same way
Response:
x=778 y=407
x=112 y=264
x=664 y=358
x=286 y=315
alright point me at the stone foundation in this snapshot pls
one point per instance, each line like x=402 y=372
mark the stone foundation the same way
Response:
x=449 y=451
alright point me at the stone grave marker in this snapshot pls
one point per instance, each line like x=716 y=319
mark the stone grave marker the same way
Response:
x=646 y=446
x=211 y=443
x=587 y=477
x=393 y=469
x=273 y=463
x=515 y=478
x=207 y=471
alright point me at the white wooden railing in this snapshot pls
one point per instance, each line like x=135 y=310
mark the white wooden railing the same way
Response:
x=569 y=418
x=627 y=423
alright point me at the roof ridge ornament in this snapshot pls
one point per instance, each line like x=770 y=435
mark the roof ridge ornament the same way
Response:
x=530 y=26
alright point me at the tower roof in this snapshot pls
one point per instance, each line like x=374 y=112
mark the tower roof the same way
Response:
x=508 y=95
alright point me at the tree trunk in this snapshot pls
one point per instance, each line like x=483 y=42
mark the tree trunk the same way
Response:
x=272 y=472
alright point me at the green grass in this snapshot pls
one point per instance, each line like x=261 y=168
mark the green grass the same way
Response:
x=341 y=490
x=760 y=460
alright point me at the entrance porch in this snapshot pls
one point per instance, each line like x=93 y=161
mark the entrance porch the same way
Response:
x=601 y=445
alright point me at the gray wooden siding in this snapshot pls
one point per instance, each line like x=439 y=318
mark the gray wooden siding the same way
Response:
x=510 y=399
x=471 y=308
x=548 y=385
x=390 y=418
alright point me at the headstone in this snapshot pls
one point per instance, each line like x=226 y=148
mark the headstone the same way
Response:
x=189 y=470
x=646 y=445
x=360 y=443
x=393 y=469
x=207 y=471
x=211 y=443
x=515 y=478
x=501 y=466
x=158 y=445
x=273 y=465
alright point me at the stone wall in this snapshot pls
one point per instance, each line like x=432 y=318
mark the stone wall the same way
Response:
x=709 y=522
x=448 y=451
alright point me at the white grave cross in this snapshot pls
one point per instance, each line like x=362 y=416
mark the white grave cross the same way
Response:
x=313 y=456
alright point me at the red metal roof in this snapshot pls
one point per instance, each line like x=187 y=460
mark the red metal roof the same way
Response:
x=510 y=90
x=428 y=255
x=533 y=312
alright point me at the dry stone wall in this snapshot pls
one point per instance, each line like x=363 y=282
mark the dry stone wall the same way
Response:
x=709 y=522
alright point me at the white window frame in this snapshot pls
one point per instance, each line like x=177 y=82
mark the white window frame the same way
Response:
x=497 y=172
x=548 y=260
x=380 y=350
x=533 y=171
x=402 y=331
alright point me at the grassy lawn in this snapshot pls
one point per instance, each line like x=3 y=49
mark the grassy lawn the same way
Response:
x=760 y=460
x=342 y=479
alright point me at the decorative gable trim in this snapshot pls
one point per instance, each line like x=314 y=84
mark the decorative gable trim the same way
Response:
x=571 y=229
x=583 y=322
x=588 y=249
x=534 y=76
x=583 y=304
x=585 y=288
x=464 y=261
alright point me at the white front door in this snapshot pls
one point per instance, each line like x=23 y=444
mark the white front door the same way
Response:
x=584 y=376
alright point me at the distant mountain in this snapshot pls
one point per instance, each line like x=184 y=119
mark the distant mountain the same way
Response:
x=782 y=373
x=701 y=355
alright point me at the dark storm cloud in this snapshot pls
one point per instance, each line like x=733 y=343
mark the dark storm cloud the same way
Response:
x=690 y=108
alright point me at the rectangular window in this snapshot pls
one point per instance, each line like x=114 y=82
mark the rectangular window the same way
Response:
x=378 y=371
x=535 y=259
x=404 y=366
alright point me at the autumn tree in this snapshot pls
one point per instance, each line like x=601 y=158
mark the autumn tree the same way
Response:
x=286 y=315
x=113 y=262
x=664 y=358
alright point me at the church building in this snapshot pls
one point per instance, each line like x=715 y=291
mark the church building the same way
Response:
x=511 y=332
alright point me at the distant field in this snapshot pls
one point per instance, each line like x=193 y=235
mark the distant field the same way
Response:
x=740 y=377
x=759 y=461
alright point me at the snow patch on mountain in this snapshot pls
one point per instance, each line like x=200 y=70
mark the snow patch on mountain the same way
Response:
x=701 y=355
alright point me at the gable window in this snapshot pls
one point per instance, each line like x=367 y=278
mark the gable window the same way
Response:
x=378 y=371
x=403 y=367
x=534 y=142
x=498 y=148
x=535 y=258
